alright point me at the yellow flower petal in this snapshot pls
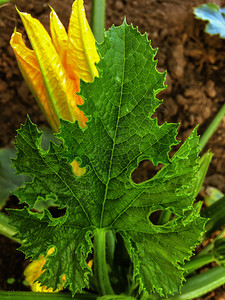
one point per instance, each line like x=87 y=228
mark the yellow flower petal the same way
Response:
x=82 y=49
x=90 y=263
x=35 y=269
x=60 y=42
x=30 y=70
x=59 y=37
x=59 y=87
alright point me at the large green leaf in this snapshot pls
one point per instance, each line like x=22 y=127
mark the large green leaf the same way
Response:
x=120 y=133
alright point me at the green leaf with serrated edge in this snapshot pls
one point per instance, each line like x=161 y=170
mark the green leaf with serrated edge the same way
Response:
x=71 y=243
x=120 y=133
x=10 y=181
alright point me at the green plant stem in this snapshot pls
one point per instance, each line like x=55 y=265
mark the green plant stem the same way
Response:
x=204 y=162
x=100 y=265
x=44 y=296
x=212 y=127
x=98 y=19
x=6 y=229
x=164 y=217
x=110 y=247
x=198 y=262
x=201 y=284
x=8 y=232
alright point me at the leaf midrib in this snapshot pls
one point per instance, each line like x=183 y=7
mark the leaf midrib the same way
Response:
x=115 y=135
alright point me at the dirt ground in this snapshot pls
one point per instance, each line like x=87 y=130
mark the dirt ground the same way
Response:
x=194 y=60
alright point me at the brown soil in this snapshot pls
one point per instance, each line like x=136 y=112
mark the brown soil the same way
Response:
x=194 y=60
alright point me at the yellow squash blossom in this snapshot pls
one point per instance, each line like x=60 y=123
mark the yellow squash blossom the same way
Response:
x=56 y=64
x=35 y=269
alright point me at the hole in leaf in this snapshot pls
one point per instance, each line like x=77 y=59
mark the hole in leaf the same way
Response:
x=145 y=171
x=57 y=212
x=161 y=217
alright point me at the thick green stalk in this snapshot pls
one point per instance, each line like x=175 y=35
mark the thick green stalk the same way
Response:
x=198 y=262
x=8 y=232
x=110 y=247
x=100 y=264
x=98 y=19
x=6 y=229
x=201 y=284
x=212 y=127
x=44 y=296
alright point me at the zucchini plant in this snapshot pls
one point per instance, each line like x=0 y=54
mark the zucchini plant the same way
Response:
x=105 y=239
x=104 y=203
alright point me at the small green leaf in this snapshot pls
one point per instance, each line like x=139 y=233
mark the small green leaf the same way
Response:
x=11 y=280
x=216 y=17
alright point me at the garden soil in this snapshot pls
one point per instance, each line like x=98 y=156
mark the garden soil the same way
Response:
x=195 y=64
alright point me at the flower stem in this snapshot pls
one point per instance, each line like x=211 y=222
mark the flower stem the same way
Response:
x=212 y=127
x=98 y=19
x=100 y=265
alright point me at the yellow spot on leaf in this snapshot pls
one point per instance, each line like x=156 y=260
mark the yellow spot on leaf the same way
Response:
x=76 y=168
